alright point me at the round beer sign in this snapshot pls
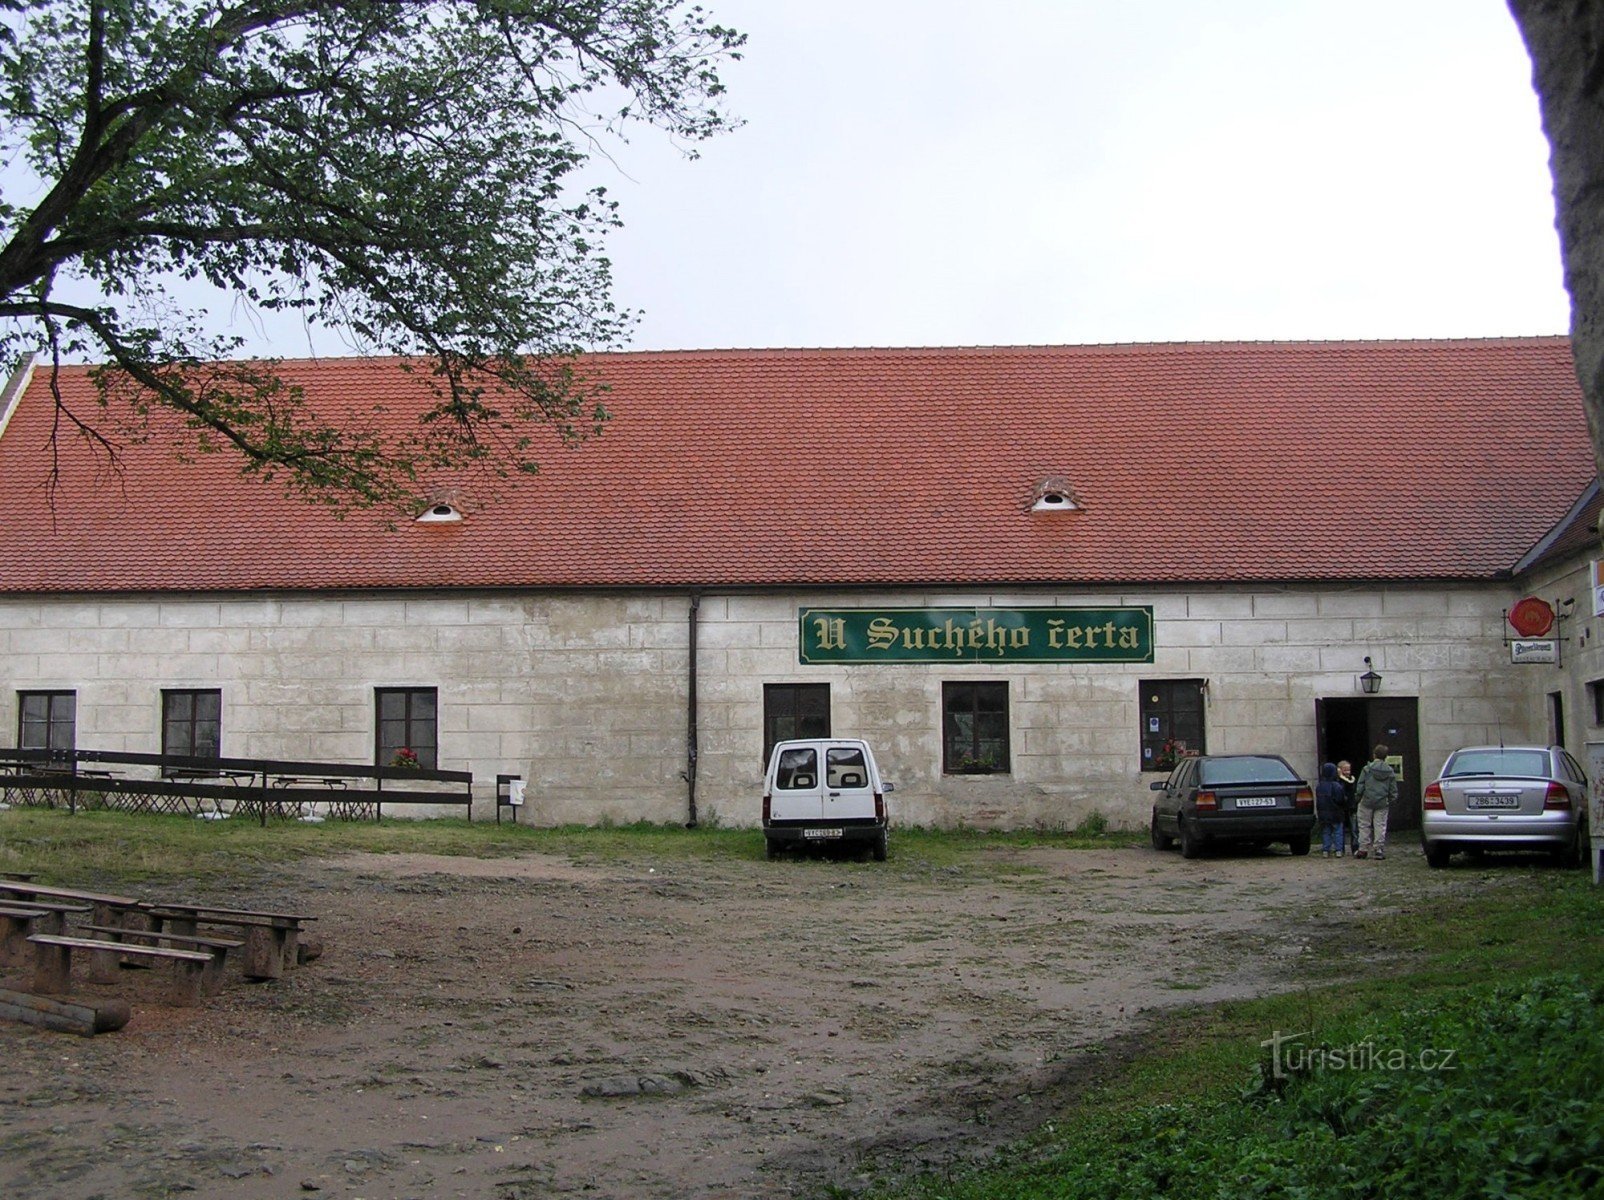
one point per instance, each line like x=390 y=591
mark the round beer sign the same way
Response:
x=1532 y=617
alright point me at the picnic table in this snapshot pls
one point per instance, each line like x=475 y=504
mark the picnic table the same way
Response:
x=272 y=940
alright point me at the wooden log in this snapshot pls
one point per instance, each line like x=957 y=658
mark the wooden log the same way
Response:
x=64 y=1016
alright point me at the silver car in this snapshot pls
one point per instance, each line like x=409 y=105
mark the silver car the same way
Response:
x=1506 y=798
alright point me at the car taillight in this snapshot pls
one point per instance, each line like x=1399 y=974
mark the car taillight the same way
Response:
x=766 y=798
x=879 y=808
x=1433 y=796
x=1304 y=799
x=1557 y=797
x=1207 y=801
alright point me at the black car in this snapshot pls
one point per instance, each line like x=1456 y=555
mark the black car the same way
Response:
x=1251 y=798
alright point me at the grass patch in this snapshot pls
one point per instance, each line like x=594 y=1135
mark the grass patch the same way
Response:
x=106 y=848
x=1505 y=978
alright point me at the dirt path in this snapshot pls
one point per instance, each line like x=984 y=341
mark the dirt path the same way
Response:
x=506 y=1029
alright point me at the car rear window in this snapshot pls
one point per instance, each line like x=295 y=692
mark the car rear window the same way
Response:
x=1499 y=761
x=797 y=769
x=845 y=767
x=1248 y=769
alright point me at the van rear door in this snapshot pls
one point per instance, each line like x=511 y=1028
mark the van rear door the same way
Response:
x=798 y=787
x=849 y=786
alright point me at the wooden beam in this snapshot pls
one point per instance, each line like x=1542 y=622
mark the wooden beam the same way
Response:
x=63 y=1016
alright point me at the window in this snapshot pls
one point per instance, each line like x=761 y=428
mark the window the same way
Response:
x=1172 y=721
x=974 y=728
x=406 y=722
x=1595 y=690
x=192 y=723
x=794 y=710
x=47 y=720
x=798 y=769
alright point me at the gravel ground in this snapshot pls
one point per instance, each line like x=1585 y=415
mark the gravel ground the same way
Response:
x=516 y=1028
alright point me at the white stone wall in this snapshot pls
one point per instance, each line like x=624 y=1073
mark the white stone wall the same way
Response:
x=584 y=694
x=1267 y=654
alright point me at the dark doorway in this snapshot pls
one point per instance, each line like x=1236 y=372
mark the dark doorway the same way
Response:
x=1351 y=728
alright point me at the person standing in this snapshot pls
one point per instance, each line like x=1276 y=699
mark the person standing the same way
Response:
x=1329 y=811
x=1375 y=790
x=1350 y=802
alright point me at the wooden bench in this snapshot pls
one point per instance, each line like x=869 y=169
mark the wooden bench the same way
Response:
x=272 y=940
x=108 y=910
x=52 y=969
x=103 y=969
x=18 y=920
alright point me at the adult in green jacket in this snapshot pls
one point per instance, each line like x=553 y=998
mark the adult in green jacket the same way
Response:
x=1376 y=789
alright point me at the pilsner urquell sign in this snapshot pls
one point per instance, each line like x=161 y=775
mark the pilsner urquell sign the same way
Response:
x=1078 y=635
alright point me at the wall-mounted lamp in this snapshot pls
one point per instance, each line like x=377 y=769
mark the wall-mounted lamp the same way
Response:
x=1369 y=682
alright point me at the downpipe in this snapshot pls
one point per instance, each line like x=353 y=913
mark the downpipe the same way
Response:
x=691 y=737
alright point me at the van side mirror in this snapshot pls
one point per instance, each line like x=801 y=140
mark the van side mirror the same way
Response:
x=887 y=786
x=1157 y=786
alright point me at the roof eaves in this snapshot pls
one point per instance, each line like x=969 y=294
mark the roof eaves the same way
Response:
x=1533 y=556
x=14 y=389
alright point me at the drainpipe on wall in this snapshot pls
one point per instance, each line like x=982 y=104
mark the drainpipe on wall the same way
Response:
x=690 y=713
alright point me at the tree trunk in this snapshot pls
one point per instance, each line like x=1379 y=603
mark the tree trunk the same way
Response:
x=1565 y=39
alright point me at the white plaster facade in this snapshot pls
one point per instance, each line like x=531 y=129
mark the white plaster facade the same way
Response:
x=585 y=694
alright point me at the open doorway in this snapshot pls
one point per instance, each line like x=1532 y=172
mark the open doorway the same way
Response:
x=1351 y=727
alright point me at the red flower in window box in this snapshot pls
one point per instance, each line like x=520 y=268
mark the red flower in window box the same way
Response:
x=406 y=757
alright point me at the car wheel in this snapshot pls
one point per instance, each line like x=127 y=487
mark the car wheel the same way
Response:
x=1437 y=855
x=1161 y=840
x=1191 y=843
x=880 y=847
x=1299 y=846
x=770 y=850
x=1574 y=855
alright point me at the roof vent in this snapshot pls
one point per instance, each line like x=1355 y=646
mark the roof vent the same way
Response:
x=439 y=514
x=1054 y=494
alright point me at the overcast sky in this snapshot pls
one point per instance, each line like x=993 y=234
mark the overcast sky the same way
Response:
x=937 y=173
x=930 y=172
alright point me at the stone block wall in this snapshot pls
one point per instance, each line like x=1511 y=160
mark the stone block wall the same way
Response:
x=585 y=694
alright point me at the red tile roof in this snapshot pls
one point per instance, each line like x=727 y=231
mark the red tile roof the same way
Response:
x=1216 y=462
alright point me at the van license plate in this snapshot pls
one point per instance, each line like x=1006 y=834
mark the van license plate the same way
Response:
x=1255 y=802
x=821 y=833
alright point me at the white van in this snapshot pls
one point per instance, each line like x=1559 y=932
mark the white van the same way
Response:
x=824 y=791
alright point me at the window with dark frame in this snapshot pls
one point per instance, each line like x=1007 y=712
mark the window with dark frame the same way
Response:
x=1172 y=722
x=974 y=729
x=794 y=710
x=406 y=730
x=192 y=722
x=1595 y=691
x=47 y=720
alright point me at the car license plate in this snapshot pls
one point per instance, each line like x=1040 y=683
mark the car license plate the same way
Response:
x=821 y=833
x=1255 y=802
x=1492 y=801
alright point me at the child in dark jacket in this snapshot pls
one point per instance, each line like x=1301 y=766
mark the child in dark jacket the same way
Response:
x=1330 y=810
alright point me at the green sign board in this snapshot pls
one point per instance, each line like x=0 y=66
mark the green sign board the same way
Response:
x=1009 y=635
